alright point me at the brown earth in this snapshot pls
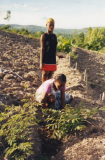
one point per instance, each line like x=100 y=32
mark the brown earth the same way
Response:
x=20 y=77
x=90 y=143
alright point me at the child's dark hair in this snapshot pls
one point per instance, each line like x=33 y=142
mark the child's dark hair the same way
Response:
x=60 y=77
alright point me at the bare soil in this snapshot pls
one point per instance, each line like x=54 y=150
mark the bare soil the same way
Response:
x=20 y=77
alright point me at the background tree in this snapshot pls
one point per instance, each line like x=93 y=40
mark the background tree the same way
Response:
x=75 y=33
x=95 y=39
x=80 y=40
x=74 y=37
x=87 y=37
x=8 y=16
x=38 y=34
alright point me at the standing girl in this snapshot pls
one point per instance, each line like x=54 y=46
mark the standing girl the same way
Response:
x=48 y=51
x=52 y=91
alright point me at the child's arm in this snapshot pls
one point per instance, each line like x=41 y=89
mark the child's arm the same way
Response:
x=62 y=99
x=48 y=99
x=42 y=51
x=57 y=43
x=44 y=100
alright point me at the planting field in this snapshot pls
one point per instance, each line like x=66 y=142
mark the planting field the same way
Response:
x=20 y=77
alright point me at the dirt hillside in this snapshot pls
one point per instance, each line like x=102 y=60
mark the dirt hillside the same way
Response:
x=89 y=144
x=20 y=77
x=19 y=67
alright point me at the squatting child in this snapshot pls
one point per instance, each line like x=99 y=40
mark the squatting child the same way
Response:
x=52 y=91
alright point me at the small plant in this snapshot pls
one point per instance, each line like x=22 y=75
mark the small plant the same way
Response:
x=24 y=86
x=62 y=122
x=73 y=56
x=13 y=55
x=93 y=85
x=102 y=108
x=64 y=45
x=16 y=127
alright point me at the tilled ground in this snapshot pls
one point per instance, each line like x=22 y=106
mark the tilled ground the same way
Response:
x=19 y=73
x=90 y=143
x=19 y=67
x=20 y=77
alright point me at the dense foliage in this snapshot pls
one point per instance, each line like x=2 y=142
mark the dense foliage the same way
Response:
x=64 y=44
x=62 y=122
x=94 y=39
x=15 y=127
x=35 y=29
x=22 y=31
x=64 y=41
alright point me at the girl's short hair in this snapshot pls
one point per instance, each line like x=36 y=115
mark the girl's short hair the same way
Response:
x=60 y=77
x=50 y=20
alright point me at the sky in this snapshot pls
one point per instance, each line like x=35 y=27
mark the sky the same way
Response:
x=68 y=14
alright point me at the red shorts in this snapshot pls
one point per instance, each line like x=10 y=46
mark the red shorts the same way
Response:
x=50 y=67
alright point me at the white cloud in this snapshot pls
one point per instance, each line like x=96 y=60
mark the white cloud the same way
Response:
x=24 y=18
x=64 y=17
x=2 y=7
x=37 y=9
x=44 y=17
x=33 y=9
x=16 y=6
x=2 y=15
x=24 y=5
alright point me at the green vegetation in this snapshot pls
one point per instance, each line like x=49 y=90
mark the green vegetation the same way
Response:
x=15 y=127
x=64 y=44
x=64 y=41
x=22 y=31
x=16 y=124
x=34 y=29
x=5 y=28
x=63 y=122
x=93 y=40
x=8 y=16
x=73 y=56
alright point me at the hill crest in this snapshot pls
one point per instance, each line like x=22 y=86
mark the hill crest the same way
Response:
x=35 y=28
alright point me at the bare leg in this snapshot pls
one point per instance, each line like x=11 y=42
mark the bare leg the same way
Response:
x=44 y=76
x=50 y=73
